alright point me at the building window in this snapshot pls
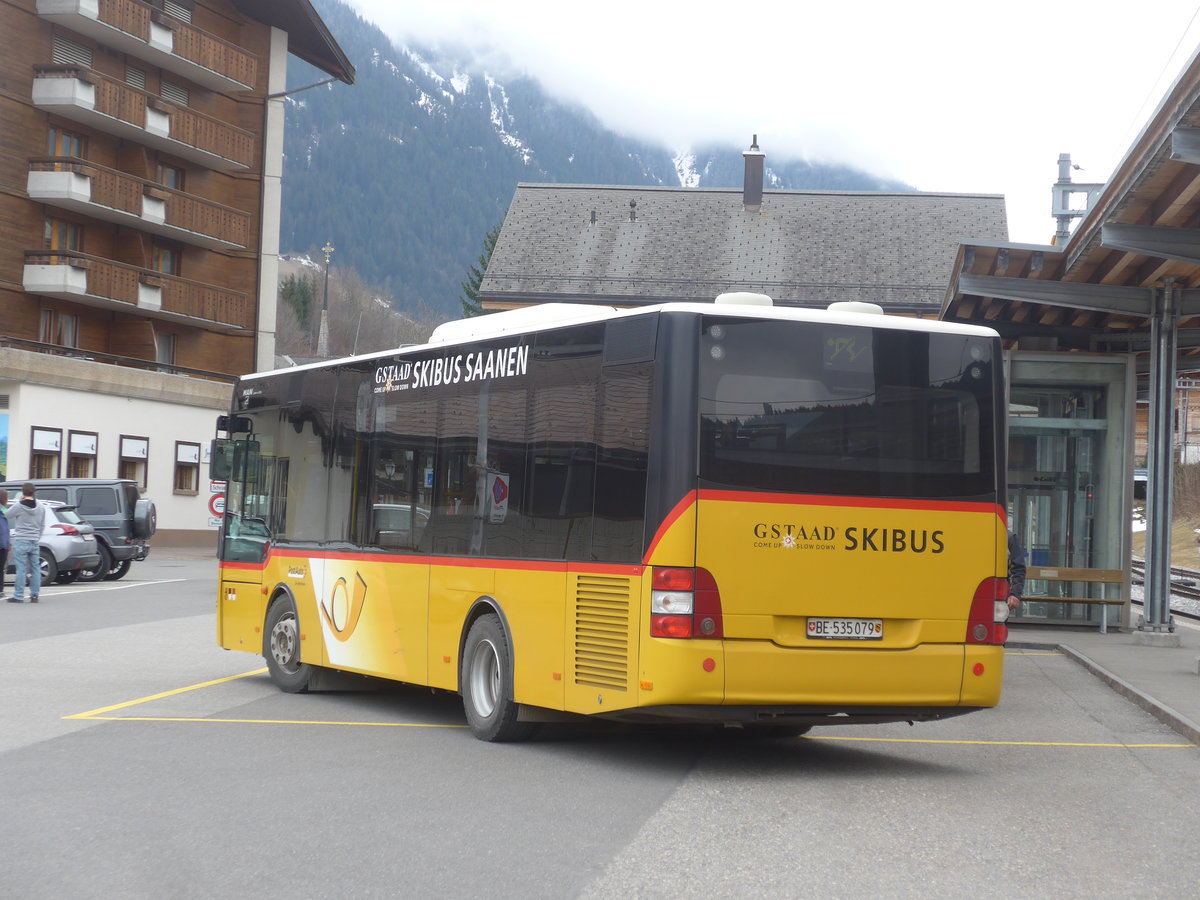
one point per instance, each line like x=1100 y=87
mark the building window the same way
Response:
x=45 y=452
x=59 y=234
x=187 y=468
x=176 y=93
x=65 y=143
x=135 y=77
x=59 y=328
x=132 y=464
x=81 y=454
x=170 y=176
x=166 y=260
x=67 y=52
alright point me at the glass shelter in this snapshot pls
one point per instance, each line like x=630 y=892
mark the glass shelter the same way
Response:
x=1070 y=484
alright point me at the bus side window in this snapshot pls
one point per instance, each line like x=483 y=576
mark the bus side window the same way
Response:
x=623 y=438
x=562 y=470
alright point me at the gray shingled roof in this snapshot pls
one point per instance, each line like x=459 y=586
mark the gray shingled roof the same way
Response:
x=805 y=248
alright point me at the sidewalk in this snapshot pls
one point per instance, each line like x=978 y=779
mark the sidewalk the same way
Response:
x=1161 y=680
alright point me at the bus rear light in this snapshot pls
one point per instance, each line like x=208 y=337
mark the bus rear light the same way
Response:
x=675 y=603
x=673 y=579
x=685 y=603
x=989 y=612
x=671 y=626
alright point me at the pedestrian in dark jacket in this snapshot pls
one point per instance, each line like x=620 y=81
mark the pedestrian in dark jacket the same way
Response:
x=27 y=519
x=1016 y=571
x=5 y=538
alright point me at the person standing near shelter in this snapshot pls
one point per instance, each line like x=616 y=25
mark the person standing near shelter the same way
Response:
x=27 y=518
x=1016 y=571
x=5 y=538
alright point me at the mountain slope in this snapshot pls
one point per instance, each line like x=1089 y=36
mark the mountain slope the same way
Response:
x=407 y=170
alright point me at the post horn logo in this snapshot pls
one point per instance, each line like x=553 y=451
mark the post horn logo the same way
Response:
x=341 y=610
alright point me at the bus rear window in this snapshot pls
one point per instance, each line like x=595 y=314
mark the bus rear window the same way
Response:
x=840 y=409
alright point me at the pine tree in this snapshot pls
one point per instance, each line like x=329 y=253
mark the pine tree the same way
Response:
x=471 y=305
x=298 y=293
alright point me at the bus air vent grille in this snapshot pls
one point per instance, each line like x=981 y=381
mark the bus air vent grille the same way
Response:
x=602 y=631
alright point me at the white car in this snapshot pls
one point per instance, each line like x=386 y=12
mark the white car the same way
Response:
x=67 y=545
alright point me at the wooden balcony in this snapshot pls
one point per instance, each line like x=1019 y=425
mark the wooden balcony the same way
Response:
x=102 y=193
x=114 y=107
x=115 y=286
x=150 y=34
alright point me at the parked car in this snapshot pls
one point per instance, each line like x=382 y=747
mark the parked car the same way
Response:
x=67 y=545
x=398 y=524
x=123 y=520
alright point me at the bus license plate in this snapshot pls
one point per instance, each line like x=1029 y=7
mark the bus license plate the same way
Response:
x=846 y=629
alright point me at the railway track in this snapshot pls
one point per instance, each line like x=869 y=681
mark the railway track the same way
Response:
x=1185 y=584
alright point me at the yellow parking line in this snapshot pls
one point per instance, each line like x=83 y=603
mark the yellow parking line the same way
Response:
x=269 y=721
x=95 y=713
x=877 y=740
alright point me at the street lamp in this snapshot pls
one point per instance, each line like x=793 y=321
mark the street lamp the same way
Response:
x=323 y=334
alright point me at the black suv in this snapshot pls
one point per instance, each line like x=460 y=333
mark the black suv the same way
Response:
x=122 y=519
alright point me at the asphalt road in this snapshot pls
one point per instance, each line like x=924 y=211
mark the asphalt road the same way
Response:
x=137 y=759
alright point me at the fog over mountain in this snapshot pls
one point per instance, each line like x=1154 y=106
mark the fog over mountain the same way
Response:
x=407 y=170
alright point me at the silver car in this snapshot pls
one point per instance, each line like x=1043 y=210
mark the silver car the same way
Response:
x=67 y=545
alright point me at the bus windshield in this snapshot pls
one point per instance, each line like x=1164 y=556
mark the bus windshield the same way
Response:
x=827 y=408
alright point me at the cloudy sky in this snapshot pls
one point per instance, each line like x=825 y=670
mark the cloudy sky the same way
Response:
x=946 y=96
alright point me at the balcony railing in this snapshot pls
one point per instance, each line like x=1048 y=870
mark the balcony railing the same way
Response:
x=137 y=28
x=70 y=275
x=76 y=353
x=112 y=106
x=103 y=193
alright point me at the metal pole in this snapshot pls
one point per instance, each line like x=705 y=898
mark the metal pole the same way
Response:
x=1157 y=616
x=323 y=334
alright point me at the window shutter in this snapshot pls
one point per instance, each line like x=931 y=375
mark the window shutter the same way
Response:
x=183 y=13
x=175 y=93
x=135 y=77
x=67 y=52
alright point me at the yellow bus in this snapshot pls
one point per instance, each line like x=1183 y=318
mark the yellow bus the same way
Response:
x=732 y=513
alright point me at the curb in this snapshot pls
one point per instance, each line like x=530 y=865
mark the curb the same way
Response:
x=1175 y=720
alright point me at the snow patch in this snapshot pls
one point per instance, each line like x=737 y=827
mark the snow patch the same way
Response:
x=502 y=120
x=460 y=81
x=685 y=169
x=424 y=67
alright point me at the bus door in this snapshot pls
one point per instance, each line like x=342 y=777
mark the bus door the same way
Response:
x=245 y=541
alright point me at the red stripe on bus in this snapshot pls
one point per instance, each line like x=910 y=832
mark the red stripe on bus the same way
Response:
x=862 y=502
x=680 y=508
x=470 y=562
x=244 y=566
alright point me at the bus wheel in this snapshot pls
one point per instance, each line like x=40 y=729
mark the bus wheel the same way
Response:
x=281 y=648
x=486 y=683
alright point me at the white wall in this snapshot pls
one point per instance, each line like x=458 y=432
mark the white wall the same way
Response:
x=162 y=408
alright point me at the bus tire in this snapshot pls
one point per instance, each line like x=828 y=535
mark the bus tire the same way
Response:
x=281 y=648
x=486 y=683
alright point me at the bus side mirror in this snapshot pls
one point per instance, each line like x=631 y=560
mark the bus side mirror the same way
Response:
x=232 y=459
x=221 y=459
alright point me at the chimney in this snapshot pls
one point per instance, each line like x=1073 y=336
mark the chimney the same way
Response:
x=752 y=190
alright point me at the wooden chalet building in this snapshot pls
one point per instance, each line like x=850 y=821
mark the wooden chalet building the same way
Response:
x=140 y=166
